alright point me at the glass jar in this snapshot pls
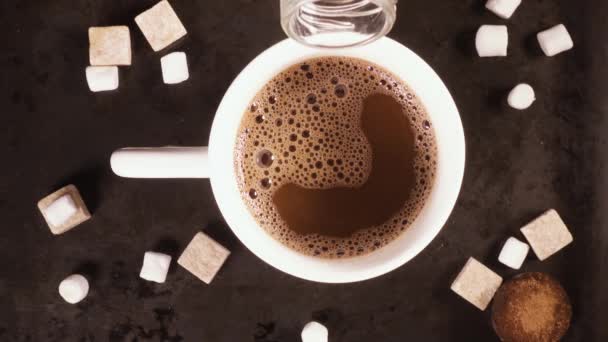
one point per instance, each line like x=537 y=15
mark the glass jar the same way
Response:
x=337 y=23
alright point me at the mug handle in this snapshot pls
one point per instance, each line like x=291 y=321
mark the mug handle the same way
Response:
x=161 y=162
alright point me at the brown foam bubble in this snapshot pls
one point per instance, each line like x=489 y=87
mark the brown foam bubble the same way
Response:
x=320 y=144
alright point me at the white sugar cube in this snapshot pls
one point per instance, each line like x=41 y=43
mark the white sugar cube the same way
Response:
x=514 y=253
x=521 y=97
x=174 y=67
x=547 y=234
x=555 y=40
x=503 y=8
x=74 y=288
x=160 y=25
x=492 y=41
x=314 y=332
x=102 y=78
x=155 y=267
x=64 y=209
x=476 y=283
x=61 y=210
x=110 y=45
x=203 y=257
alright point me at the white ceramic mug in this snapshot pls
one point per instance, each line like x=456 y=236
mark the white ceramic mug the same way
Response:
x=217 y=162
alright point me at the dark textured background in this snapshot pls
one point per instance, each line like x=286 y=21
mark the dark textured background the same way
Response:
x=53 y=131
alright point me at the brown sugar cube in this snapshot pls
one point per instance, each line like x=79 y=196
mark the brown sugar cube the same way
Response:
x=547 y=234
x=160 y=25
x=64 y=209
x=110 y=45
x=203 y=257
x=476 y=283
x=531 y=307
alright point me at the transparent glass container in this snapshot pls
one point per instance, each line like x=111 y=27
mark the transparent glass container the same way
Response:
x=337 y=23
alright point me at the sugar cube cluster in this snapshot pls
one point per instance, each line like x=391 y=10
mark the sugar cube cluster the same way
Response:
x=64 y=209
x=493 y=41
x=110 y=47
x=490 y=40
x=203 y=257
x=546 y=235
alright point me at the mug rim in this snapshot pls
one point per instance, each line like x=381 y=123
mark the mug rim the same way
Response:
x=388 y=54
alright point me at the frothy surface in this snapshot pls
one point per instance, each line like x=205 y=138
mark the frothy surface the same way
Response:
x=312 y=127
